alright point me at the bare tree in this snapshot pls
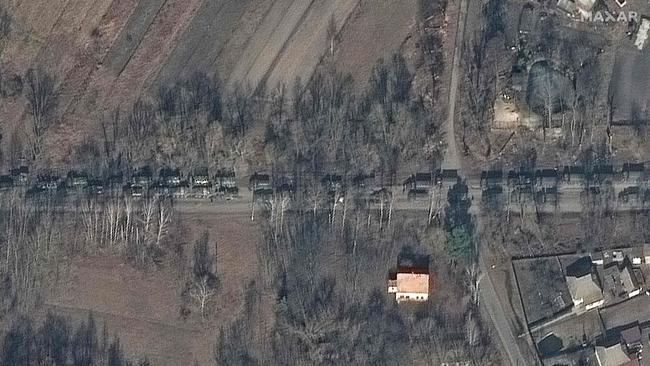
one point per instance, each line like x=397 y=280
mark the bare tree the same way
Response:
x=203 y=283
x=5 y=23
x=202 y=291
x=41 y=98
x=332 y=33
x=239 y=118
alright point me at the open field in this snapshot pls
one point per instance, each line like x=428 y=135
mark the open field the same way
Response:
x=142 y=307
x=358 y=52
x=106 y=54
x=132 y=34
x=265 y=45
x=204 y=39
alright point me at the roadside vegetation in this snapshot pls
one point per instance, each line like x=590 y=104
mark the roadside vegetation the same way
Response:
x=323 y=258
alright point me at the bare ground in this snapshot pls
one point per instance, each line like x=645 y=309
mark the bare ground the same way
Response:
x=203 y=40
x=142 y=307
x=375 y=30
x=303 y=51
x=261 y=51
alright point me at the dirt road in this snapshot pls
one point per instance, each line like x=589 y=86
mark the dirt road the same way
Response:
x=451 y=159
x=489 y=301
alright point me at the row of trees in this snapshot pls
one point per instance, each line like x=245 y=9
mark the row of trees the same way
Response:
x=481 y=63
x=5 y=24
x=324 y=124
x=459 y=224
x=57 y=342
x=36 y=236
x=137 y=229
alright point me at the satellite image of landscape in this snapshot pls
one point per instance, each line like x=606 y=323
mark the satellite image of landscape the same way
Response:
x=324 y=182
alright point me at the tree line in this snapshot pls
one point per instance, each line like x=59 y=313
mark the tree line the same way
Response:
x=310 y=126
x=56 y=341
x=37 y=235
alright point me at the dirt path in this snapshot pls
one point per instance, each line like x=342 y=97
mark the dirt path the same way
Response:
x=451 y=159
x=489 y=301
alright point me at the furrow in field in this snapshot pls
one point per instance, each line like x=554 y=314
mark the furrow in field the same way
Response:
x=204 y=37
x=263 y=40
x=132 y=34
x=154 y=48
x=252 y=22
x=388 y=21
x=305 y=48
x=294 y=17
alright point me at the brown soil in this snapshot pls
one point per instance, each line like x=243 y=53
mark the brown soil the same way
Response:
x=376 y=30
x=304 y=49
x=142 y=306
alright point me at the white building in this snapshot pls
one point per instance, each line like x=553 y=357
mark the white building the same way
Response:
x=585 y=292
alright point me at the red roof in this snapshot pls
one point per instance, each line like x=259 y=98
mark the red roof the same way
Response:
x=412 y=269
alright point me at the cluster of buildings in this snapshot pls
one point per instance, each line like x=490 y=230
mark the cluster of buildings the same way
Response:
x=592 y=308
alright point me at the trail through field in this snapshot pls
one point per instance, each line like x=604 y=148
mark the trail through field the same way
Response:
x=451 y=159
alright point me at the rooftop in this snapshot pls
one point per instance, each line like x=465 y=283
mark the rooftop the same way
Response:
x=584 y=288
x=586 y=5
x=612 y=355
x=642 y=33
x=413 y=283
x=632 y=335
x=627 y=312
x=619 y=279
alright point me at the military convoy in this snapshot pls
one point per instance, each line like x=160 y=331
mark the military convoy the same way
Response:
x=543 y=185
